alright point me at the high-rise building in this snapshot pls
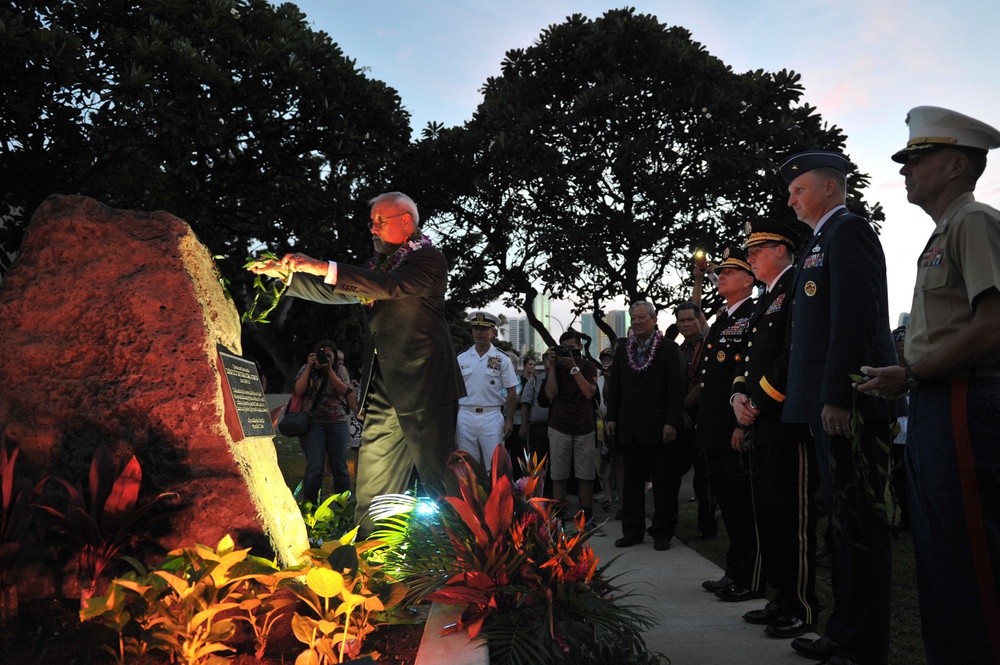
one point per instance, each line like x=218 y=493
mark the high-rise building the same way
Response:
x=519 y=333
x=522 y=336
x=599 y=339
x=619 y=321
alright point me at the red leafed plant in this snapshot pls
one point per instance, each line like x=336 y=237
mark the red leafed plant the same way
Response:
x=531 y=588
x=102 y=521
x=15 y=513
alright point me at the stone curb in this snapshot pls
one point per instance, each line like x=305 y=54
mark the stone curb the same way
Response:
x=454 y=649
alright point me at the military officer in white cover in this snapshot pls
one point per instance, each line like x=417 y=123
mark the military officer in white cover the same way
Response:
x=491 y=383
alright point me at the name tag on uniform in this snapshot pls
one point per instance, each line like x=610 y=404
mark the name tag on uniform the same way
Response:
x=493 y=362
x=932 y=257
x=813 y=261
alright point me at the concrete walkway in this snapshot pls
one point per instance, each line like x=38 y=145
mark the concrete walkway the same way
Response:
x=696 y=628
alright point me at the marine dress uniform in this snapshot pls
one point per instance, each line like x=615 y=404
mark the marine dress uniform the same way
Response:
x=952 y=455
x=728 y=473
x=783 y=460
x=479 y=429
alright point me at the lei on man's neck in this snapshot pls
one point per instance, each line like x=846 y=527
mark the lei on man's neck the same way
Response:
x=389 y=262
x=632 y=347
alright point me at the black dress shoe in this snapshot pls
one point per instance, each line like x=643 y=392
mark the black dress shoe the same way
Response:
x=661 y=543
x=785 y=627
x=717 y=584
x=822 y=649
x=735 y=593
x=627 y=542
x=763 y=617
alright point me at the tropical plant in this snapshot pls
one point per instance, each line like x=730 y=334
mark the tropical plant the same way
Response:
x=261 y=289
x=14 y=520
x=189 y=605
x=345 y=593
x=531 y=589
x=263 y=605
x=860 y=496
x=102 y=521
x=176 y=607
x=329 y=520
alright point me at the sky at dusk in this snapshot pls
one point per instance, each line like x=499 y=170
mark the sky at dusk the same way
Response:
x=864 y=64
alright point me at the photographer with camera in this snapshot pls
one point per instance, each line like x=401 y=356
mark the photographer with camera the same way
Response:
x=325 y=386
x=570 y=386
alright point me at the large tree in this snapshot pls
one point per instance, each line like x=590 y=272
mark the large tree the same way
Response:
x=234 y=115
x=610 y=150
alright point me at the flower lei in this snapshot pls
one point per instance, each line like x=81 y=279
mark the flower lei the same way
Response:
x=388 y=263
x=633 y=346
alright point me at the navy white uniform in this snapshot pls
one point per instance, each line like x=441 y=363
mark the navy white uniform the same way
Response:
x=480 y=419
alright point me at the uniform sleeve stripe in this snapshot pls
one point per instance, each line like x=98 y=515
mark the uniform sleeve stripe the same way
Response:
x=771 y=391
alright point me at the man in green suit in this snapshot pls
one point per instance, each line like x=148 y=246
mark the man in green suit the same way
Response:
x=410 y=377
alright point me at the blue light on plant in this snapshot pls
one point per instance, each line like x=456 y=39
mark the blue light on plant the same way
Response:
x=426 y=508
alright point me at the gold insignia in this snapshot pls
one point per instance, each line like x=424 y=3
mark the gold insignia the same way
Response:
x=749 y=228
x=725 y=254
x=720 y=356
x=810 y=288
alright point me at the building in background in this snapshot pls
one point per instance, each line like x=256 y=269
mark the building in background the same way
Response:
x=618 y=320
x=522 y=336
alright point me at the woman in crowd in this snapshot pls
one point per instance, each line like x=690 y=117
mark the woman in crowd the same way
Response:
x=325 y=387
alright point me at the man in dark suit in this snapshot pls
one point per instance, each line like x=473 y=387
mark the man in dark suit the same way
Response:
x=719 y=435
x=645 y=393
x=410 y=378
x=840 y=321
x=783 y=461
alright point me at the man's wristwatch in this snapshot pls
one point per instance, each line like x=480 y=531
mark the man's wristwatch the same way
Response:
x=574 y=371
x=912 y=382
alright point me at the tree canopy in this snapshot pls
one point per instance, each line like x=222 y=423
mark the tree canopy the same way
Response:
x=597 y=162
x=610 y=150
x=234 y=115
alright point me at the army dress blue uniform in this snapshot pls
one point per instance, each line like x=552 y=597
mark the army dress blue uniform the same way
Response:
x=783 y=460
x=728 y=471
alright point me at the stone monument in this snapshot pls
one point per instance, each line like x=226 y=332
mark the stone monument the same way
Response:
x=113 y=329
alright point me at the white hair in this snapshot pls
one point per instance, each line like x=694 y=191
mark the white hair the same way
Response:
x=401 y=199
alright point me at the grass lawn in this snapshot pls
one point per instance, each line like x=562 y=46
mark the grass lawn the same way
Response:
x=905 y=646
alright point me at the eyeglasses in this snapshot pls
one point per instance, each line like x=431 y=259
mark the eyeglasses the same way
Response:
x=754 y=251
x=378 y=221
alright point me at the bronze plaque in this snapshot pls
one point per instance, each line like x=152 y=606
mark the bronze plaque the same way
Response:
x=247 y=414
